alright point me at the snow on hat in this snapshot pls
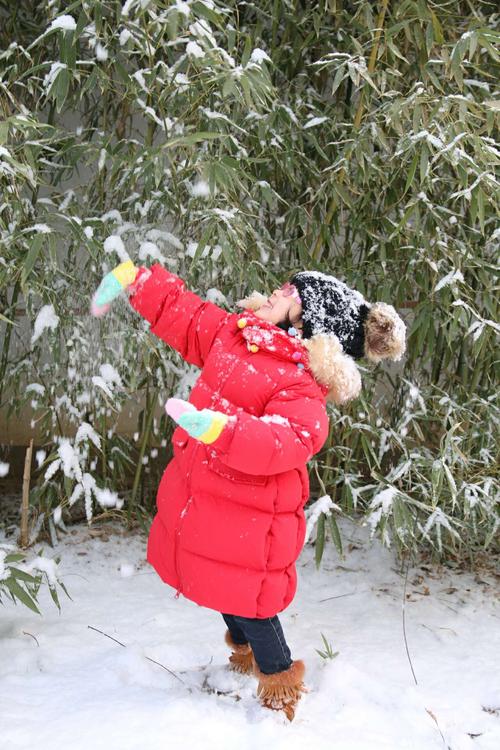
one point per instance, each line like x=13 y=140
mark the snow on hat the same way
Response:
x=363 y=330
x=330 y=306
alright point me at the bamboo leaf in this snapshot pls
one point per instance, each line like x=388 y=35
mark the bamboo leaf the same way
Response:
x=339 y=77
x=7 y=320
x=335 y=533
x=451 y=483
x=319 y=546
x=343 y=193
x=22 y=575
x=192 y=138
x=424 y=163
x=411 y=172
x=438 y=31
x=19 y=593
x=11 y=557
x=54 y=597
x=32 y=256
x=4 y=132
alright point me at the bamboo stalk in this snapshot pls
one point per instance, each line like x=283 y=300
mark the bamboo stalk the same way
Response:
x=372 y=61
x=6 y=341
x=148 y=420
x=315 y=254
x=23 y=538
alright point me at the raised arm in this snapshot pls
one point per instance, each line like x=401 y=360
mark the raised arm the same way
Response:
x=178 y=316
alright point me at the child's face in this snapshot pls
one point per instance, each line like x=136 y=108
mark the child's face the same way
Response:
x=282 y=303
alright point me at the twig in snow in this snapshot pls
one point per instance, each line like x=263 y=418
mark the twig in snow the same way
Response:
x=406 y=644
x=146 y=657
x=439 y=728
x=31 y=634
x=339 y=596
x=404 y=609
x=91 y=627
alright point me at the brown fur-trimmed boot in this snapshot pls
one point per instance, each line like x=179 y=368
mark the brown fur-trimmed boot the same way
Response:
x=282 y=691
x=241 y=660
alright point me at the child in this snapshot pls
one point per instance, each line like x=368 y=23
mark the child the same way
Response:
x=230 y=522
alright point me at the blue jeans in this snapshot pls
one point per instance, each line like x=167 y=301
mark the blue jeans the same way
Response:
x=266 y=638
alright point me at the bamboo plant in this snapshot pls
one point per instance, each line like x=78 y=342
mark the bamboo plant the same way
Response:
x=237 y=143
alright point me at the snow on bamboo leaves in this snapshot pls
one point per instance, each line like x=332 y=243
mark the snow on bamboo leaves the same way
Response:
x=112 y=286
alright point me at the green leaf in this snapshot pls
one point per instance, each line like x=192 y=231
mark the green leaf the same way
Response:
x=429 y=38
x=55 y=598
x=173 y=23
x=7 y=320
x=368 y=451
x=339 y=77
x=480 y=208
x=320 y=540
x=192 y=138
x=451 y=483
x=68 y=486
x=202 y=244
x=247 y=94
x=61 y=88
x=408 y=212
x=80 y=24
x=436 y=26
x=61 y=584
x=19 y=593
x=411 y=172
x=14 y=557
x=247 y=51
x=473 y=39
x=342 y=192
x=22 y=575
x=203 y=10
x=437 y=480
x=32 y=255
x=424 y=163
x=229 y=88
x=335 y=533
x=4 y=132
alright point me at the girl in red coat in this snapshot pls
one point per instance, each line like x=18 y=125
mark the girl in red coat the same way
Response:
x=230 y=522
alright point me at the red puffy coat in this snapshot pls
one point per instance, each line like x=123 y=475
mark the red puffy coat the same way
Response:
x=230 y=522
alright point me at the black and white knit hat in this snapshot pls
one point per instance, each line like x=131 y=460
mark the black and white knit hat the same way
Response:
x=364 y=330
x=330 y=306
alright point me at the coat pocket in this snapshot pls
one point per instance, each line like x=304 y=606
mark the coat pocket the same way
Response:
x=220 y=468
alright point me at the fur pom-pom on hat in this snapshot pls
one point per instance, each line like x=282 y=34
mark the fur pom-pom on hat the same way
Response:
x=385 y=333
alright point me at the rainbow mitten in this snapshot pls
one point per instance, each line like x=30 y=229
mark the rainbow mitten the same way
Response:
x=205 y=425
x=111 y=286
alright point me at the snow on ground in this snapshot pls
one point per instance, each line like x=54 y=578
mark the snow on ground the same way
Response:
x=73 y=687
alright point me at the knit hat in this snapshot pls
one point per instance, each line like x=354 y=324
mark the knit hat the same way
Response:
x=331 y=307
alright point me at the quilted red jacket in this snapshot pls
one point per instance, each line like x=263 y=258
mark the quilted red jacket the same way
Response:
x=230 y=522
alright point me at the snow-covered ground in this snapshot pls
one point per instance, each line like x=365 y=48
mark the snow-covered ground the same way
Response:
x=63 y=685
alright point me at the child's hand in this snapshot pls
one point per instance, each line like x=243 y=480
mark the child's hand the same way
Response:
x=111 y=286
x=205 y=425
